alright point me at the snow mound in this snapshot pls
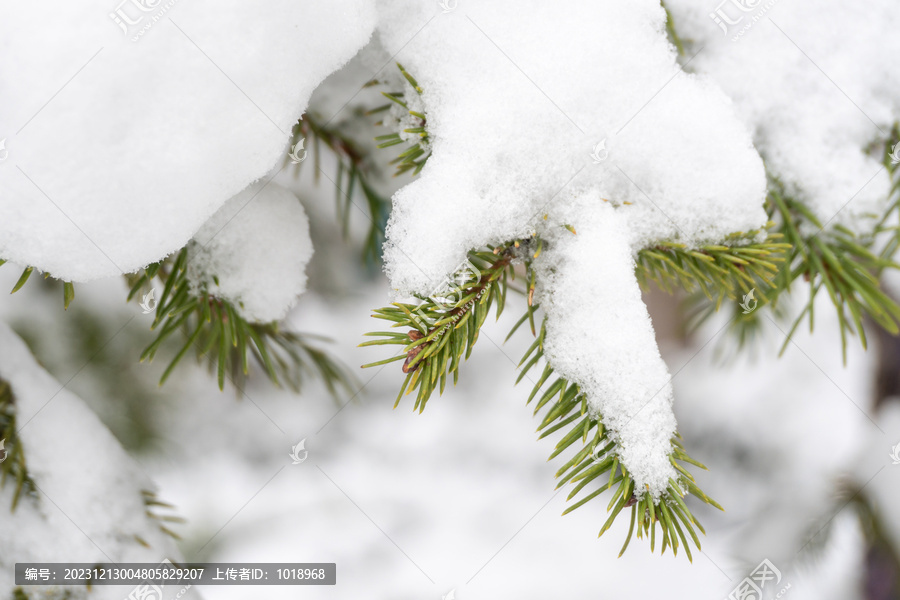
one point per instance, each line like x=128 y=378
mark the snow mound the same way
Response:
x=253 y=252
x=599 y=335
x=90 y=506
x=513 y=122
x=124 y=138
x=815 y=98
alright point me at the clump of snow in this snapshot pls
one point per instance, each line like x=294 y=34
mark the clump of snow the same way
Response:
x=119 y=150
x=512 y=122
x=816 y=98
x=253 y=252
x=89 y=506
x=599 y=335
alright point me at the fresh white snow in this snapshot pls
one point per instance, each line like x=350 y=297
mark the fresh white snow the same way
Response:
x=600 y=335
x=253 y=252
x=816 y=83
x=119 y=150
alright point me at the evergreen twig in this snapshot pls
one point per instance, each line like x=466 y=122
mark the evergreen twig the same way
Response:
x=355 y=172
x=443 y=328
x=214 y=327
x=719 y=271
x=597 y=459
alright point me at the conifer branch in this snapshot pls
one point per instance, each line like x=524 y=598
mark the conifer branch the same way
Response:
x=843 y=264
x=214 y=327
x=443 y=328
x=354 y=173
x=719 y=271
x=564 y=405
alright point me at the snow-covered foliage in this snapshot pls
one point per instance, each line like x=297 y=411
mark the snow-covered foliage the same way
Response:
x=514 y=125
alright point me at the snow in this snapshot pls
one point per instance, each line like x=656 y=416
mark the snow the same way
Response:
x=513 y=124
x=816 y=99
x=253 y=252
x=599 y=335
x=90 y=505
x=119 y=150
